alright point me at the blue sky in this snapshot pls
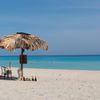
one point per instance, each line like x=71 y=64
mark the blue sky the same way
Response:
x=70 y=27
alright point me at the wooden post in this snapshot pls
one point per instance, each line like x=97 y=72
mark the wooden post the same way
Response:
x=22 y=51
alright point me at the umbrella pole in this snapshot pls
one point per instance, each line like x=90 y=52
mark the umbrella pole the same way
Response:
x=22 y=50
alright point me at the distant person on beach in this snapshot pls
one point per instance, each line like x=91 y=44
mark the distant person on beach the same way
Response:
x=19 y=72
x=9 y=72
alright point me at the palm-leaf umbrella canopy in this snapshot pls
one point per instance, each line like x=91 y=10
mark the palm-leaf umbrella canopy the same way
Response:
x=24 y=41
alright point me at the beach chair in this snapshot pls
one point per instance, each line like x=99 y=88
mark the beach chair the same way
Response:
x=3 y=71
x=6 y=72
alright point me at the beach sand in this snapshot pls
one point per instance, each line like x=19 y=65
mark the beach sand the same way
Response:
x=52 y=85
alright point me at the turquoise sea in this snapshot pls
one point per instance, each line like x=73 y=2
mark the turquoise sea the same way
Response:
x=80 y=62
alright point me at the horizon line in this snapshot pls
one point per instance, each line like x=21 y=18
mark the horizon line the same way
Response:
x=58 y=55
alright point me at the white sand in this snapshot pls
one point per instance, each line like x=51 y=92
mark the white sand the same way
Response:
x=53 y=85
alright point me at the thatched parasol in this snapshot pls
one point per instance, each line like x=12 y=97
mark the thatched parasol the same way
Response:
x=24 y=41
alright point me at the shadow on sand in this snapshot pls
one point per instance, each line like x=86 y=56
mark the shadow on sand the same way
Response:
x=8 y=78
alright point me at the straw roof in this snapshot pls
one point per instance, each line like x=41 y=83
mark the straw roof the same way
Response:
x=23 y=40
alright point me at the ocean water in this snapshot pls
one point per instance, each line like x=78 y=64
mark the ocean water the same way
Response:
x=55 y=62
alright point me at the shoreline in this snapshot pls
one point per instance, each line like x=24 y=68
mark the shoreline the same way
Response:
x=57 y=69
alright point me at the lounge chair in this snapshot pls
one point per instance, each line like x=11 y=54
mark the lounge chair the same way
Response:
x=6 y=72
